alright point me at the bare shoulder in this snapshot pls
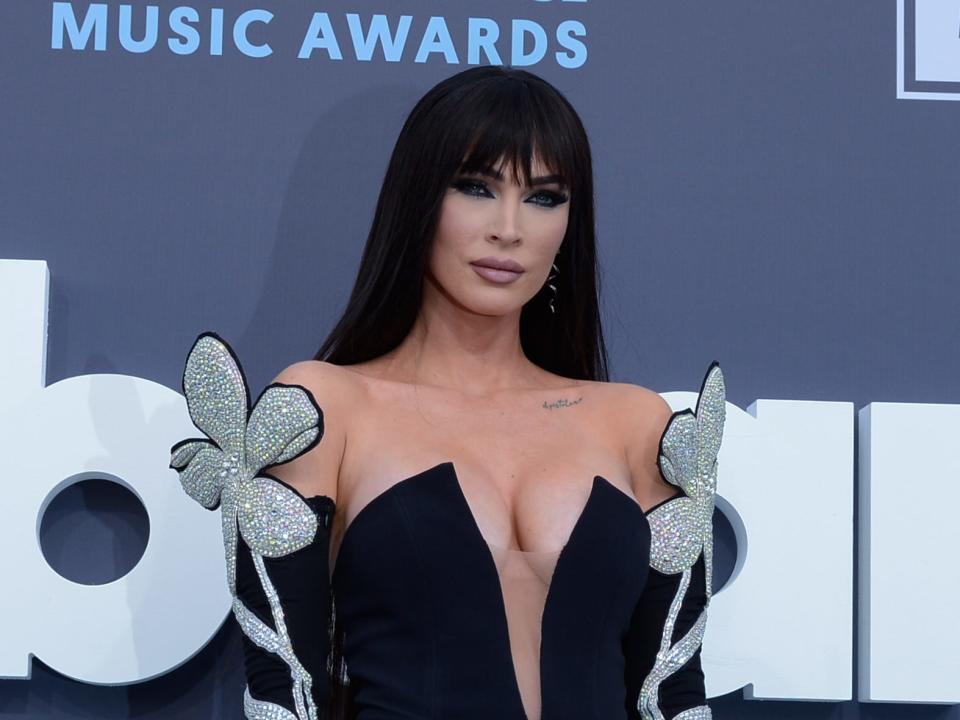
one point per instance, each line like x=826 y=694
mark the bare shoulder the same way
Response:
x=643 y=415
x=637 y=408
x=321 y=378
x=335 y=391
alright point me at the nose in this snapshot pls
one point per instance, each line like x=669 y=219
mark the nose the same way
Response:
x=506 y=224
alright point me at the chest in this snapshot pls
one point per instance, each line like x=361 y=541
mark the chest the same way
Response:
x=525 y=466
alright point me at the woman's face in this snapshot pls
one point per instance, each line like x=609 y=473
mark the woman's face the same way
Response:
x=486 y=218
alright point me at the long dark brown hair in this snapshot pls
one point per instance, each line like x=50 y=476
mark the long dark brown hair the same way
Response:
x=467 y=122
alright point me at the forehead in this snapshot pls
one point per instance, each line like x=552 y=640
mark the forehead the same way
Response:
x=503 y=170
x=537 y=166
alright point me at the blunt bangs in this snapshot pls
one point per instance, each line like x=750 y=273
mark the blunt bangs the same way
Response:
x=505 y=122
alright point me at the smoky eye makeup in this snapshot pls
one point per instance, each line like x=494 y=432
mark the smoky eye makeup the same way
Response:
x=553 y=198
x=470 y=186
x=478 y=188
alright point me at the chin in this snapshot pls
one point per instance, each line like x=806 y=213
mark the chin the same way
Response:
x=492 y=308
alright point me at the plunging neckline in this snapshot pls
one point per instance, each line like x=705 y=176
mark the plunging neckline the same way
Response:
x=382 y=496
x=450 y=475
x=453 y=476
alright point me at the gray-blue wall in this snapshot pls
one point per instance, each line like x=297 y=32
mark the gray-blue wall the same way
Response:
x=763 y=199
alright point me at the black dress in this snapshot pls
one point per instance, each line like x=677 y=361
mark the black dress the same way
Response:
x=420 y=619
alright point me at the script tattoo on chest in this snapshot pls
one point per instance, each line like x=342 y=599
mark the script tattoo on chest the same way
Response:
x=561 y=403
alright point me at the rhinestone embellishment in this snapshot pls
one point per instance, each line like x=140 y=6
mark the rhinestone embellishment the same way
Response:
x=223 y=469
x=682 y=529
x=701 y=712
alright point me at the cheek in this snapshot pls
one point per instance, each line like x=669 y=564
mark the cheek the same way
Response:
x=451 y=235
x=561 y=218
x=559 y=231
x=550 y=229
x=458 y=221
x=458 y=226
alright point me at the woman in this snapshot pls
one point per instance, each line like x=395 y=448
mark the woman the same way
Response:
x=463 y=518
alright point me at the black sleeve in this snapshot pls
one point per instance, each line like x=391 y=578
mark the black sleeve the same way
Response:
x=680 y=689
x=301 y=582
x=276 y=542
x=662 y=646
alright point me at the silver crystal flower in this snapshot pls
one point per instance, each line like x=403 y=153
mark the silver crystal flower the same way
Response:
x=682 y=528
x=223 y=468
x=688 y=458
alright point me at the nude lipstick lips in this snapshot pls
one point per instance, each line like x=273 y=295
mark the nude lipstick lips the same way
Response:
x=497 y=270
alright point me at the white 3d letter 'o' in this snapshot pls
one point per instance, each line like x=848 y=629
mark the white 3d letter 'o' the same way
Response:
x=170 y=604
x=782 y=626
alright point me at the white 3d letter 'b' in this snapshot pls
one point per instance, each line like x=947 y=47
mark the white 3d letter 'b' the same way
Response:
x=170 y=604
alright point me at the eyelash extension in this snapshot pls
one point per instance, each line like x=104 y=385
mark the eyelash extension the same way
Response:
x=464 y=185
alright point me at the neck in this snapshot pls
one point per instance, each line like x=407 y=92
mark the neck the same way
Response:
x=451 y=347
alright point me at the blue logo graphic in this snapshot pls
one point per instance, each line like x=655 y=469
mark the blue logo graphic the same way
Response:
x=320 y=36
x=928 y=49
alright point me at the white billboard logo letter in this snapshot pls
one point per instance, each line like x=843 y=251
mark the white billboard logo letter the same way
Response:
x=170 y=604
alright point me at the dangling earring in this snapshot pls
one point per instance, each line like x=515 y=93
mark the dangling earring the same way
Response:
x=553 y=288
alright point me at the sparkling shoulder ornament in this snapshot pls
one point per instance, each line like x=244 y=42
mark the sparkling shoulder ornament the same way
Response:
x=222 y=470
x=681 y=529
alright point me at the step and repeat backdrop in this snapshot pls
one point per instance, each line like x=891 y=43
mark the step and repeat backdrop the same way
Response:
x=777 y=188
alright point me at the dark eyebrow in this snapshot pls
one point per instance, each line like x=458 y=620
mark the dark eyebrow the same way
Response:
x=542 y=180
